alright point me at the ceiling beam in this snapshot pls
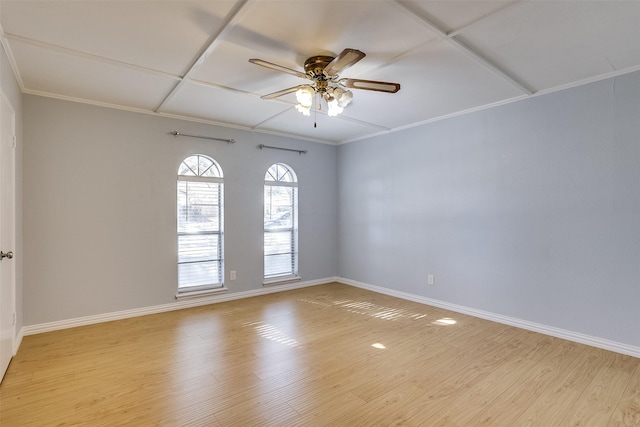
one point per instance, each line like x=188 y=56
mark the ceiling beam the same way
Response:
x=206 y=49
x=483 y=18
x=463 y=48
x=90 y=56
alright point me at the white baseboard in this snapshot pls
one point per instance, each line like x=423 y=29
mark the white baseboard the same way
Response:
x=178 y=305
x=519 y=323
x=17 y=341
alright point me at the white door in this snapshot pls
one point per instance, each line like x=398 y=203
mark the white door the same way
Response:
x=7 y=232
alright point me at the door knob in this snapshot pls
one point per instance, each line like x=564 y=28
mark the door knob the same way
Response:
x=4 y=255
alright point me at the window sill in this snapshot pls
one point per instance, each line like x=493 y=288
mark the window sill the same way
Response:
x=198 y=294
x=281 y=280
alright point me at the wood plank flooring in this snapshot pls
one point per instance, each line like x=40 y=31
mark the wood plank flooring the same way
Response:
x=329 y=355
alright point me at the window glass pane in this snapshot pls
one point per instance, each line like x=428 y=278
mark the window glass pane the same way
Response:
x=278 y=255
x=281 y=173
x=198 y=247
x=198 y=274
x=184 y=170
x=277 y=265
x=277 y=242
x=199 y=206
x=204 y=165
x=189 y=166
x=278 y=203
x=199 y=166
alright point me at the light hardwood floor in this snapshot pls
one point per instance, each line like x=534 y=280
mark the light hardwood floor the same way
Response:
x=325 y=355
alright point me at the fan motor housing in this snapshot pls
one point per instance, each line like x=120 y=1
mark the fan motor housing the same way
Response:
x=315 y=65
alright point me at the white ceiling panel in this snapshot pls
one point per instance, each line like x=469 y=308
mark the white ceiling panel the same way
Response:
x=330 y=129
x=453 y=15
x=449 y=81
x=448 y=56
x=163 y=35
x=553 y=43
x=287 y=33
x=222 y=105
x=57 y=73
x=236 y=71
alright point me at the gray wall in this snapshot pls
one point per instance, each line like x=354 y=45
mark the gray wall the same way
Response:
x=100 y=194
x=11 y=90
x=530 y=210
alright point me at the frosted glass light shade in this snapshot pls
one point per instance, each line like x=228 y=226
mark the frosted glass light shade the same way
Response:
x=304 y=110
x=304 y=95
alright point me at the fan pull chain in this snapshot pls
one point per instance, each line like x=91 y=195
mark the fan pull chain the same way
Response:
x=315 y=113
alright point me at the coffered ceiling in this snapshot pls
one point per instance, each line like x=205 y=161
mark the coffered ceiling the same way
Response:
x=189 y=59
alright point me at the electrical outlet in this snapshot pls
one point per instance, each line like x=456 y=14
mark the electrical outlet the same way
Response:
x=232 y=275
x=431 y=280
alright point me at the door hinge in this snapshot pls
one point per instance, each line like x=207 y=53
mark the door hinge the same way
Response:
x=13 y=319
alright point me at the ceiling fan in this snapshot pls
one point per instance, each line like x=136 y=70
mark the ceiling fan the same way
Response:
x=323 y=72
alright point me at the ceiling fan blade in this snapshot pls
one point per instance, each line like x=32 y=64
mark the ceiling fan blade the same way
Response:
x=370 y=85
x=279 y=68
x=346 y=59
x=282 y=92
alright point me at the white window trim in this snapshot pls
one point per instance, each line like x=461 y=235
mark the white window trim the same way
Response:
x=198 y=294
x=200 y=178
x=281 y=183
x=286 y=278
x=204 y=290
x=281 y=280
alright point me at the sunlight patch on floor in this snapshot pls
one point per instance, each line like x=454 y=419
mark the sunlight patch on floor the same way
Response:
x=445 y=321
x=378 y=311
x=369 y=309
x=270 y=332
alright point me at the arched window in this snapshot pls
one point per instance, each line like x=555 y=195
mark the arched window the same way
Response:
x=200 y=224
x=280 y=223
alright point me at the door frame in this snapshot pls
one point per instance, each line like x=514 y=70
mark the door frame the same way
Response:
x=11 y=114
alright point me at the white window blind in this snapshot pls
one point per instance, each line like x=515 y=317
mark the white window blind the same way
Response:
x=200 y=224
x=280 y=222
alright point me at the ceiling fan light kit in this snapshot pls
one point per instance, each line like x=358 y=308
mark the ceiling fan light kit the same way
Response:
x=337 y=99
x=305 y=96
x=323 y=72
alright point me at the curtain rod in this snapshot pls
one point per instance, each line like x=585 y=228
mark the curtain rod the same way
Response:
x=261 y=146
x=229 y=141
